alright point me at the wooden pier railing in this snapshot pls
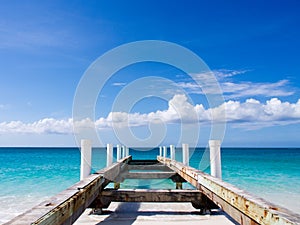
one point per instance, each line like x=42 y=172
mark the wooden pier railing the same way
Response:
x=67 y=206
x=238 y=204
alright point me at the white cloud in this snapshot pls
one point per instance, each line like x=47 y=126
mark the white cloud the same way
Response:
x=223 y=73
x=118 y=84
x=251 y=114
x=179 y=109
x=246 y=89
x=235 y=89
x=43 y=126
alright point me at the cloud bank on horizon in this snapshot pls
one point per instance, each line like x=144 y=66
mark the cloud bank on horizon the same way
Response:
x=250 y=114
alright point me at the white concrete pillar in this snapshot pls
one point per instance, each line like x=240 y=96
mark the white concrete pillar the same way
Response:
x=160 y=151
x=86 y=158
x=215 y=158
x=109 y=154
x=185 y=154
x=123 y=151
x=127 y=151
x=172 y=151
x=165 y=152
x=119 y=153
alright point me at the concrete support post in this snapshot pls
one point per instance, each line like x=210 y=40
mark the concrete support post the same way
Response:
x=185 y=154
x=119 y=153
x=127 y=151
x=86 y=158
x=172 y=151
x=109 y=154
x=123 y=152
x=165 y=152
x=215 y=158
x=160 y=151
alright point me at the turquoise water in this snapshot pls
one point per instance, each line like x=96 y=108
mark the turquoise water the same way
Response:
x=31 y=175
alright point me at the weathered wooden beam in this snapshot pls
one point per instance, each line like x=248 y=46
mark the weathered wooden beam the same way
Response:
x=144 y=162
x=149 y=167
x=148 y=175
x=67 y=206
x=197 y=198
x=147 y=195
x=240 y=205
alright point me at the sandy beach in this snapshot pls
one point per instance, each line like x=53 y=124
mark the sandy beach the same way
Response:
x=150 y=213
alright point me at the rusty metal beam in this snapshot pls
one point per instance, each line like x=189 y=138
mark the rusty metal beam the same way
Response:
x=240 y=205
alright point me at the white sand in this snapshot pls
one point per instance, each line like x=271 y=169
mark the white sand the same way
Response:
x=150 y=213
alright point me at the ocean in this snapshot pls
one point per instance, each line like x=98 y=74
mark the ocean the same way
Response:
x=30 y=175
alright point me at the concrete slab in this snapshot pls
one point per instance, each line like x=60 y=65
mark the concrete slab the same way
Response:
x=150 y=213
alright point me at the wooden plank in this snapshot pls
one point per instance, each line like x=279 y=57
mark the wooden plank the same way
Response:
x=148 y=175
x=149 y=167
x=68 y=205
x=146 y=195
x=113 y=172
x=240 y=205
x=144 y=162
x=57 y=209
x=197 y=198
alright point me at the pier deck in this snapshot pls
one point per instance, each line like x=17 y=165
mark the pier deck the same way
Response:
x=225 y=200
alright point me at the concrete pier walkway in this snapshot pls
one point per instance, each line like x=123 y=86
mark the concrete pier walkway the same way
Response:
x=127 y=213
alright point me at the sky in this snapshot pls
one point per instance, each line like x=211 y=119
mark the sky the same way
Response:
x=251 y=48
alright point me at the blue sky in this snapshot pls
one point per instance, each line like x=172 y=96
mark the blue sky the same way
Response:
x=251 y=46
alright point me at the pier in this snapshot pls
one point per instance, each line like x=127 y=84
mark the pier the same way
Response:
x=210 y=192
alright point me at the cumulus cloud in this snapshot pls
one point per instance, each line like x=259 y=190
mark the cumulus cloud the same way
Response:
x=179 y=110
x=43 y=126
x=253 y=114
x=250 y=114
